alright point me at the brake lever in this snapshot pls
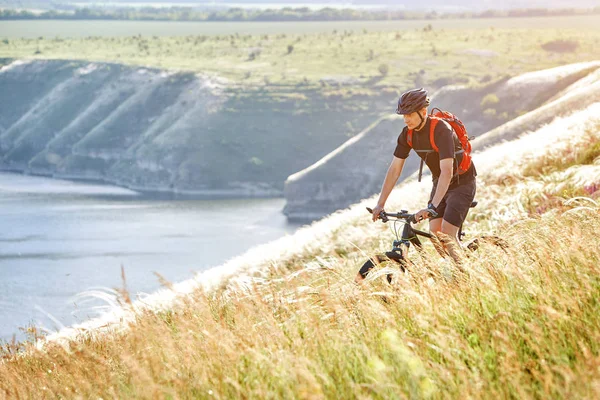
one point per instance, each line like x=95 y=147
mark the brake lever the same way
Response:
x=382 y=215
x=432 y=214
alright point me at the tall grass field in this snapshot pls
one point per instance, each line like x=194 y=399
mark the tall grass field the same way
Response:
x=521 y=322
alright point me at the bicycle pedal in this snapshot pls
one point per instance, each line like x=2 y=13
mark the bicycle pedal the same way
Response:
x=393 y=255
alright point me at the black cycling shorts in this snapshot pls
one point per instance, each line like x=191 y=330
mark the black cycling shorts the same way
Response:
x=456 y=202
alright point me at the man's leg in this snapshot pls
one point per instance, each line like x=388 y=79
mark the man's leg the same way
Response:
x=457 y=203
x=448 y=235
x=435 y=227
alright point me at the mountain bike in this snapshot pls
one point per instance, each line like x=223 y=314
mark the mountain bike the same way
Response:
x=410 y=235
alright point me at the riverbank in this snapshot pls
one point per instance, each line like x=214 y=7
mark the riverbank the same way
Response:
x=245 y=190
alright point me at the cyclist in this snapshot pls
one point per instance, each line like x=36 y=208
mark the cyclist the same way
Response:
x=451 y=195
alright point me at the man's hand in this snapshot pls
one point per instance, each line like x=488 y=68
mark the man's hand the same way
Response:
x=423 y=214
x=376 y=211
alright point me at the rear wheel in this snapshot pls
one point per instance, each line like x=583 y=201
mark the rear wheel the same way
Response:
x=493 y=240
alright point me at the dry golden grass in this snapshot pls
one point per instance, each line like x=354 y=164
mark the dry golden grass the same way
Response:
x=521 y=323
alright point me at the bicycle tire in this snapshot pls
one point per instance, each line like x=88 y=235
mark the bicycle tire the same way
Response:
x=382 y=258
x=475 y=243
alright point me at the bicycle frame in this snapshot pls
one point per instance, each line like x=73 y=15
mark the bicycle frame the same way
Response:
x=402 y=244
x=409 y=235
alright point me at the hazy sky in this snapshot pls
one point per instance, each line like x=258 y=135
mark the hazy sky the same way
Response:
x=408 y=4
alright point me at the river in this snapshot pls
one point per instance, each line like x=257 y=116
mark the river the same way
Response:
x=61 y=238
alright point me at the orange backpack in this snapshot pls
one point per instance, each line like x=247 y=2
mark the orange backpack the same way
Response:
x=459 y=129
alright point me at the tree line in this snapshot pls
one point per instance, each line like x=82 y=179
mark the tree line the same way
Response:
x=283 y=14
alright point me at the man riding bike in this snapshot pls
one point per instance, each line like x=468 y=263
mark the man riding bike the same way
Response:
x=452 y=193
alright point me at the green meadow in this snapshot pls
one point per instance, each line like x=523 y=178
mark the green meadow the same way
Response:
x=405 y=57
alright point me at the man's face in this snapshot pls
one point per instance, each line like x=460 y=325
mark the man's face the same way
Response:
x=412 y=120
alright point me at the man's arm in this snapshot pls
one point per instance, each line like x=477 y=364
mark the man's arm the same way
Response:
x=393 y=173
x=446 y=166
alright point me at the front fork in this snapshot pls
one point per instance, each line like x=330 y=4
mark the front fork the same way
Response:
x=399 y=251
x=400 y=247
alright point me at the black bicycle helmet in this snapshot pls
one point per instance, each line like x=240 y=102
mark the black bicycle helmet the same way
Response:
x=412 y=101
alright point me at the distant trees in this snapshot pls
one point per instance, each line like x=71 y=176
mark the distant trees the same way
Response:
x=282 y=14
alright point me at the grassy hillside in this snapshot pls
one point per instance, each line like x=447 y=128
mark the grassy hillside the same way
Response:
x=337 y=180
x=400 y=58
x=520 y=323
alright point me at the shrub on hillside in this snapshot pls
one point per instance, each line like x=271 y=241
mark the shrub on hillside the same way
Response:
x=490 y=112
x=486 y=78
x=384 y=69
x=489 y=100
x=290 y=48
x=561 y=46
x=253 y=54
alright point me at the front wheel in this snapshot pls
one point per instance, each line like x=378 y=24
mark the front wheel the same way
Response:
x=378 y=259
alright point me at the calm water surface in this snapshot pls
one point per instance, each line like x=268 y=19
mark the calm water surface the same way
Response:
x=60 y=238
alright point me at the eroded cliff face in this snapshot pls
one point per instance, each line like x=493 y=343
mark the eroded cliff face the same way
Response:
x=356 y=169
x=168 y=131
x=197 y=135
x=352 y=171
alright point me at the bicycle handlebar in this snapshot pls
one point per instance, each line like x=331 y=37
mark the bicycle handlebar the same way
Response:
x=403 y=214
